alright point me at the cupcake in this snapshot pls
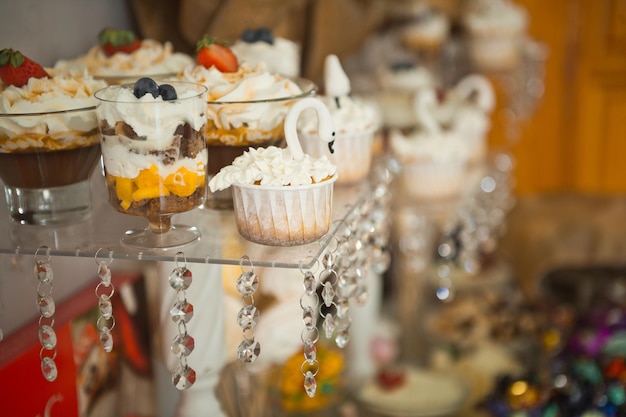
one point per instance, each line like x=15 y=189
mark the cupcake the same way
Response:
x=496 y=31
x=120 y=56
x=279 y=55
x=281 y=196
x=433 y=160
x=246 y=106
x=355 y=120
x=49 y=141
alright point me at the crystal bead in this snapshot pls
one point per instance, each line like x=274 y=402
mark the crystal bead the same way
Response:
x=104 y=272
x=247 y=283
x=180 y=279
x=362 y=295
x=309 y=282
x=328 y=294
x=181 y=311
x=329 y=325
x=310 y=351
x=248 y=350
x=105 y=306
x=47 y=337
x=342 y=339
x=310 y=385
x=342 y=308
x=183 y=344
x=46 y=306
x=309 y=317
x=106 y=339
x=248 y=317
x=49 y=369
x=43 y=272
x=183 y=378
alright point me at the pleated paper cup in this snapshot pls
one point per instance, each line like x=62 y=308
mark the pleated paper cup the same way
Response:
x=352 y=153
x=283 y=216
x=434 y=180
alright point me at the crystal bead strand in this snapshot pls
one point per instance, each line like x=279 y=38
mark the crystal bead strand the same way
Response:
x=104 y=291
x=247 y=318
x=46 y=306
x=340 y=321
x=309 y=302
x=181 y=313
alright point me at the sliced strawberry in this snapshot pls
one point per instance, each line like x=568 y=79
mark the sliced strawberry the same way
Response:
x=211 y=53
x=16 y=69
x=114 y=41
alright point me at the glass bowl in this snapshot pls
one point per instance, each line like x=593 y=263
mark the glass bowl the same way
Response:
x=46 y=159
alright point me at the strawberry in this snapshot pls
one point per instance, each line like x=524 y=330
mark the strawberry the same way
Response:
x=16 y=69
x=210 y=53
x=113 y=41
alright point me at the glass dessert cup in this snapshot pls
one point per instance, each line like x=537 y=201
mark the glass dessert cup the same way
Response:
x=46 y=159
x=154 y=157
x=235 y=126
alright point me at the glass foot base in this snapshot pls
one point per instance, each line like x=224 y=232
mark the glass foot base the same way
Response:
x=176 y=237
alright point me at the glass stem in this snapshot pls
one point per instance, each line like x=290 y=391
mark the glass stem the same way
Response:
x=160 y=224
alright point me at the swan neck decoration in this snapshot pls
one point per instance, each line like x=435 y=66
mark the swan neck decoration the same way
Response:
x=425 y=103
x=325 y=127
x=481 y=87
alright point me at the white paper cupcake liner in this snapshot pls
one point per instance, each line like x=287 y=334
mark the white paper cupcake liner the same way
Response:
x=434 y=180
x=352 y=156
x=283 y=216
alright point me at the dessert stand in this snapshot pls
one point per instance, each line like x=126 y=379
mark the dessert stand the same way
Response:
x=102 y=228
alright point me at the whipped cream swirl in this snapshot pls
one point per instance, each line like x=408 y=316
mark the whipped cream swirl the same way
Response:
x=282 y=57
x=274 y=167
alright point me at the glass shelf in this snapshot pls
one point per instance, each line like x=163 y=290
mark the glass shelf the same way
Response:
x=220 y=242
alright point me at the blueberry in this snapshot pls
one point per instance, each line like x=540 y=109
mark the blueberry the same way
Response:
x=265 y=35
x=167 y=92
x=248 y=36
x=144 y=86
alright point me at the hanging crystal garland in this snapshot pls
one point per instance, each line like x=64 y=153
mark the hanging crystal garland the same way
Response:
x=46 y=306
x=309 y=302
x=104 y=291
x=247 y=284
x=181 y=313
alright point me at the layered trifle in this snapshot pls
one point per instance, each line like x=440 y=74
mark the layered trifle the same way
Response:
x=153 y=148
x=49 y=140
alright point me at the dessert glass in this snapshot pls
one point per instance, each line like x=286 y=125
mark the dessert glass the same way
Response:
x=154 y=157
x=226 y=140
x=45 y=174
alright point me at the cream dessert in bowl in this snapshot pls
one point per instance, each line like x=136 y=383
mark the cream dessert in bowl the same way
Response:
x=282 y=196
x=246 y=107
x=154 y=155
x=259 y=45
x=356 y=122
x=49 y=143
x=121 y=57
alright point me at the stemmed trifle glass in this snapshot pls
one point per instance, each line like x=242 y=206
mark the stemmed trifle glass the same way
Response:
x=155 y=156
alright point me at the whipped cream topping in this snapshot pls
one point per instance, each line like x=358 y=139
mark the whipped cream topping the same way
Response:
x=155 y=125
x=152 y=58
x=61 y=92
x=282 y=57
x=503 y=16
x=260 y=100
x=274 y=167
x=404 y=78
